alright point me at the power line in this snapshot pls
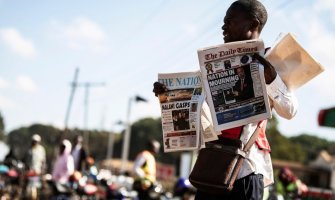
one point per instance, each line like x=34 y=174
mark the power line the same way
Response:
x=69 y=106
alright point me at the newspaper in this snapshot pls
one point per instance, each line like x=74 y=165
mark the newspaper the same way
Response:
x=180 y=110
x=234 y=84
x=293 y=63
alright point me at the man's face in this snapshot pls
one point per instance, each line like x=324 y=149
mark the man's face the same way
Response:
x=34 y=143
x=237 y=26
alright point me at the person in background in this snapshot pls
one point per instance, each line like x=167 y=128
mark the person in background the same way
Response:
x=92 y=170
x=36 y=158
x=145 y=169
x=64 y=165
x=10 y=159
x=79 y=154
x=289 y=186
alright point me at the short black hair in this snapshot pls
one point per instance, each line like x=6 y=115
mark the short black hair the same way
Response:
x=253 y=8
x=153 y=145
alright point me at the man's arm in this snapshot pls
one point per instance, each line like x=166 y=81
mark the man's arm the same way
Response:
x=284 y=101
x=138 y=163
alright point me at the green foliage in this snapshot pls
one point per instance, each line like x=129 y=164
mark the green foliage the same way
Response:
x=301 y=148
x=98 y=144
x=20 y=140
x=2 y=128
x=144 y=130
x=312 y=145
x=281 y=147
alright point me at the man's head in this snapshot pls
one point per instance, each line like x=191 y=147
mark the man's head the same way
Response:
x=79 y=139
x=35 y=139
x=65 y=147
x=244 y=20
x=240 y=72
x=154 y=146
x=286 y=176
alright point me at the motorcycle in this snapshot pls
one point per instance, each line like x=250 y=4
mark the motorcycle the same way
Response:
x=58 y=191
x=115 y=187
x=10 y=180
x=157 y=192
x=183 y=190
x=85 y=187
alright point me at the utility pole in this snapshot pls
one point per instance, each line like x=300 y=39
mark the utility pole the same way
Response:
x=126 y=138
x=69 y=105
x=111 y=135
x=87 y=86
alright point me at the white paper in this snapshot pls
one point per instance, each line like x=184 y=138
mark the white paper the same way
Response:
x=292 y=62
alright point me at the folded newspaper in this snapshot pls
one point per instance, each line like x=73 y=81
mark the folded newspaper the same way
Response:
x=234 y=83
x=180 y=110
x=293 y=63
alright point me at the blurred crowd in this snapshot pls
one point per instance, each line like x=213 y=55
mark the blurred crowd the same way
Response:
x=75 y=175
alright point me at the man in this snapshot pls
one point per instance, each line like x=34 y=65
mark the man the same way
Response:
x=243 y=89
x=36 y=156
x=79 y=154
x=145 y=169
x=245 y=20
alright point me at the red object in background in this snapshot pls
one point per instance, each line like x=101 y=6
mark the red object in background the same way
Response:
x=326 y=117
x=12 y=173
x=321 y=117
x=165 y=172
x=31 y=173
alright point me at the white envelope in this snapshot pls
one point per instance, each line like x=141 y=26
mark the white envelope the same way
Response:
x=292 y=62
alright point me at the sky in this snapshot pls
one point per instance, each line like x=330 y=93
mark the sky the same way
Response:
x=121 y=46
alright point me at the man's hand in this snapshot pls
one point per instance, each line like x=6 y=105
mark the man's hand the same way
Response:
x=269 y=71
x=159 y=88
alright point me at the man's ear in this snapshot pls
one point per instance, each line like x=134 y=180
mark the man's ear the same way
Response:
x=255 y=24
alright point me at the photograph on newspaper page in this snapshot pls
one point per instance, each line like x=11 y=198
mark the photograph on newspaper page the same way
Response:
x=234 y=83
x=180 y=110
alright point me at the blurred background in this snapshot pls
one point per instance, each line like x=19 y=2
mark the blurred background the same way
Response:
x=76 y=67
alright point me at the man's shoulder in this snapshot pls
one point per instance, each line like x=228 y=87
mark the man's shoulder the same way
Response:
x=40 y=148
x=146 y=153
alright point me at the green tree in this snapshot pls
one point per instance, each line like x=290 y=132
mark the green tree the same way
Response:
x=312 y=145
x=20 y=140
x=281 y=147
x=142 y=131
x=98 y=144
x=2 y=127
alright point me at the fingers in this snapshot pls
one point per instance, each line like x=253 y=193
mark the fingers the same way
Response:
x=158 y=84
x=269 y=71
x=159 y=88
x=261 y=59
